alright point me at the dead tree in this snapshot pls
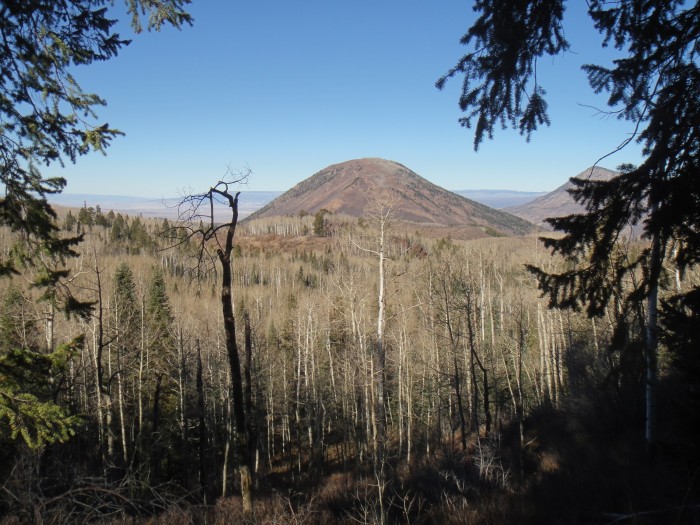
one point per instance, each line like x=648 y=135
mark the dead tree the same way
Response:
x=214 y=243
x=380 y=212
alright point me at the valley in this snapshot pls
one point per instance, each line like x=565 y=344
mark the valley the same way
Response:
x=493 y=402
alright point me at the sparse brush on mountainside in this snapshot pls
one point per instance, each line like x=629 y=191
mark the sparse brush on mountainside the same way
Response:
x=346 y=188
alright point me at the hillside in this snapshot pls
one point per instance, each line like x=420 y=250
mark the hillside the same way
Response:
x=557 y=203
x=346 y=188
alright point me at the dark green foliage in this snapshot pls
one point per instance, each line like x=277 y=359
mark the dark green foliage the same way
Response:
x=17 y=326
x=124 y=289
x=125 y=310
x=44 y=112
x=45 y=117
x=120 y=229
x=657 y=86
x=28 y=390
x=70 y=222
x=101 y=219
x=500 y=85
x=158 y=304
x=159 y=320
x=138 y=234
x=598 y=264
x=680 y=321
x=30 y=381
x=86 y=216
x=320 y=223
x=654 y=84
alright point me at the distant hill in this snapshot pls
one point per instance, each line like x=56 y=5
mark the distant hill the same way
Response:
x=500 y=198
x=557 y=203
x=346 y=188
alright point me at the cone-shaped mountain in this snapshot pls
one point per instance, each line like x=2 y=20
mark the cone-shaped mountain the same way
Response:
x=346 y=189
x=558 y=203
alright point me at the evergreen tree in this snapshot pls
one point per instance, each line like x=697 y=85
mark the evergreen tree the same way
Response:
x=124 y=291
x=120 y=229
x=86 y=216
x=654 y=84
x=100 y=218
x=16 y=326
x=320 y=223
x=47 y=118
x=138 y=235
x=125 y=309
x=125 y=316
x=161 y=356
x=158 y=305
x=28 y=407
x=69 y=223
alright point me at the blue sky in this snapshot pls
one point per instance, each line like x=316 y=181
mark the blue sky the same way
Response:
x=286 y=88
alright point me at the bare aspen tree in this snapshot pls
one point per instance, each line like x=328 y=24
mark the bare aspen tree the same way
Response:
x=102 y=365
x=103 y=400
x=449 y=313
x=379 y=213
x=466 y=286
x=521 y=344
x=201 y=413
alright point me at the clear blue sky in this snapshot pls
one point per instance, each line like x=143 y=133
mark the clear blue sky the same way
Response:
x=287 y=88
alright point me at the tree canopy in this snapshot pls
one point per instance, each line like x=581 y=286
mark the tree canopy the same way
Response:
x=654 y=83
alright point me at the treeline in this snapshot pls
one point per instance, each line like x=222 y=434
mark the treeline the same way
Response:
x=134 y=233
x=481 y=381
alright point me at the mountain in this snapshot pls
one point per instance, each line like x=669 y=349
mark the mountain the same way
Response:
x=500 y=199
x=558 y=203
x=346 y=188
x=251 y=201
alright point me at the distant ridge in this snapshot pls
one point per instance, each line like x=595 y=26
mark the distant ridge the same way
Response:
x=345 y=188
x=500 y=199
x=558 y=203
x=165 y=208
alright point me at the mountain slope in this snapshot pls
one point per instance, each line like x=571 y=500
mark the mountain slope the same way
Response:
x=558 y=203
x=346 y=188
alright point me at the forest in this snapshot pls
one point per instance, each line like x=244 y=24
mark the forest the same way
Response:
x=324 y=369
x=492 y=407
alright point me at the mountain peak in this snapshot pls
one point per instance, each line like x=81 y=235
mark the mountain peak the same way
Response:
x=558 y=203
x=346 y=188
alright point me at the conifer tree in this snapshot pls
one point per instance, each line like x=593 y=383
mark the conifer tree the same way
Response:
x=125 y=324
x=16 y=328
x=655 y=85
x=70 y=222
x=125 y=307
x=46 y=118
x=120 y=229
x=160 y=351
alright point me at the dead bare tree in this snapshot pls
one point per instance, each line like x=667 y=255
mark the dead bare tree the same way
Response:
x=379 y=212
x=214 y=242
